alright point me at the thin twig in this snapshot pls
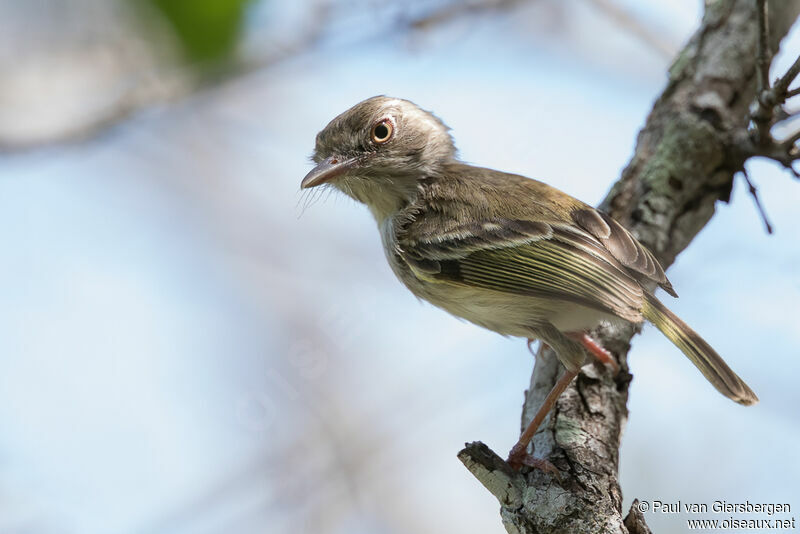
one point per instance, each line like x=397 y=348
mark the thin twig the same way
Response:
x=781 y=87
x=790 y=141
x=762 y=115
x=757 y=200
x=767 y=110
x=782 y=115
x=792 y=93
x=764 y=54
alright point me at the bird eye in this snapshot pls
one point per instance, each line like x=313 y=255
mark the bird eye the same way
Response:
x=382 y=131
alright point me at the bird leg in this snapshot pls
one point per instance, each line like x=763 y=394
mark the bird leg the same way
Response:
x=595 y=349
x=518 y=455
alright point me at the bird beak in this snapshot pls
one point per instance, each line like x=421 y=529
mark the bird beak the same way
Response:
x=327 y=170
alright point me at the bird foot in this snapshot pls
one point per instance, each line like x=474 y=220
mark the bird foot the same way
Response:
x=519 y=456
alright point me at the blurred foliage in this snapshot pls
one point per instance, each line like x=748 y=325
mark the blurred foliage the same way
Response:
x=208 y=30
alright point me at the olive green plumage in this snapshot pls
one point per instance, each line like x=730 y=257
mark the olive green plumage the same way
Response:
x=506 y=252
x=699 y=352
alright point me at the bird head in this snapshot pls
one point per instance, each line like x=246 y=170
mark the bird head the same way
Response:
x=378 y=151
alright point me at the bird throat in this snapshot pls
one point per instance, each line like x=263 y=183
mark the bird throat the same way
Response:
x=384 y=196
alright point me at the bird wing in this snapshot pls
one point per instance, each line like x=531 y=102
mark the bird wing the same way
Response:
x=622 y=245
x=500 y=231
x=527 y=258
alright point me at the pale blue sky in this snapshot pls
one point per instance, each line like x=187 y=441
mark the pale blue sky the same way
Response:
x=186 y=348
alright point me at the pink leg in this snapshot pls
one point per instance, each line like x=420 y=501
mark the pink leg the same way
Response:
x=518 y=455
x=595 y=349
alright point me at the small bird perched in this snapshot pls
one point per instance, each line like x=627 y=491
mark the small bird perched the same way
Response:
x=505 y=252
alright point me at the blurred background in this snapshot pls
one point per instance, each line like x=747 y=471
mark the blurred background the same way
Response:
x=188 y=344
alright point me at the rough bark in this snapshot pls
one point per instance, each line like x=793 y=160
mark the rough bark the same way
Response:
x=684 y=162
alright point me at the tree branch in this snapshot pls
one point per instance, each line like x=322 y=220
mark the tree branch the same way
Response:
x=682 y=165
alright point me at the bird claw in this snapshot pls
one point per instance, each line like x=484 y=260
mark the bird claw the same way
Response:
x=519 y=456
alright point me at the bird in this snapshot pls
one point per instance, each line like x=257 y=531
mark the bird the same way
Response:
x=500 y=250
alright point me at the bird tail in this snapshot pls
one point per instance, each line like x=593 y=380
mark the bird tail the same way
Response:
x=699 y=352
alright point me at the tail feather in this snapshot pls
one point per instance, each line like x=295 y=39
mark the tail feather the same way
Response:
x=699 y=352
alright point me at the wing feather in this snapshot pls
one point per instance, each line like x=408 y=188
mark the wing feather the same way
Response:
x=622 y=245
x=471 y=232
x=460 y=240
x=556 y=262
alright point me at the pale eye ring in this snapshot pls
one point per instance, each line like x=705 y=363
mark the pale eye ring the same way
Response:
x=382 y=131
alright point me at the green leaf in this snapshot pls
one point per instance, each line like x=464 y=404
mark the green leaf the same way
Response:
x=208 y=30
